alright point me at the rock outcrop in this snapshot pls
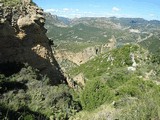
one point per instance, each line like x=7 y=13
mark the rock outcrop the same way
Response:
x=23 y=39
x=110 y=45
x=87 y=54
x=77 y=58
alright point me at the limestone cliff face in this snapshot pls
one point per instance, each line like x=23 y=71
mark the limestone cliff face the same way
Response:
x=23 y=39
x=77 y=58
x=87 y=54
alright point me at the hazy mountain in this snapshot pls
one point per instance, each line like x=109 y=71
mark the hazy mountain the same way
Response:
x=54 y=20
x=107 y=22
x=64 y=20
x=98 y=31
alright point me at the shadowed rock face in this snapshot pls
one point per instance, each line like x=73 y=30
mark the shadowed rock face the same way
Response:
x=23 y=39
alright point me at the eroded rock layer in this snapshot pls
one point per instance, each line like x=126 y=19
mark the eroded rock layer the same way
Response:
x=23 y=39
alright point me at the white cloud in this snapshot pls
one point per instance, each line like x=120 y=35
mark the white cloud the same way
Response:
x=72 y=13
x=51 y=10
x=66 y=9
x=115 y=9
x=66 y=12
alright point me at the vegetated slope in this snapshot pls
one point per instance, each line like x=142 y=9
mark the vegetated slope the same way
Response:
x=137 y=23
x=74 y=33
x=120 y=57
x=76 y=38
x=123 y=80
x=14 y=2
x=152 y=44
x=27 y=94
x=84 y=32
x=10 y=3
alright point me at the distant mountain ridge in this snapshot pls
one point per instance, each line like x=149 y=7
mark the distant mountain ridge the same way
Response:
x=64 y=20
x=128 y=29
x=133 y=22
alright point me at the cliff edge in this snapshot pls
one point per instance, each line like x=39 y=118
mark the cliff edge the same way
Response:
x=23 y=39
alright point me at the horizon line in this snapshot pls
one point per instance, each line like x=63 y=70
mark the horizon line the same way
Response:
x=103 y=17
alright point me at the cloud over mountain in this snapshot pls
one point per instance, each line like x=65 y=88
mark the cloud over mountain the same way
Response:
x=115 y=9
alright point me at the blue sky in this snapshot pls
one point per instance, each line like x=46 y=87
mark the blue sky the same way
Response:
x=147 y=9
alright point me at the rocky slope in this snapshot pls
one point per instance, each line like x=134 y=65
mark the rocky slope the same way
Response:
x=23 y=39
x=86 y=54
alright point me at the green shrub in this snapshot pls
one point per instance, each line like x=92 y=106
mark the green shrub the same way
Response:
x=132 y=91
x=10 y=2
x=28 y=117
x=31 y=89
x=95 y=94
x=143 y=100
x=13 y=2
x=118 y=78
x=146 y=109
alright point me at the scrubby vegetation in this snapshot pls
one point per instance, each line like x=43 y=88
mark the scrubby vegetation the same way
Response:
x=13 y=2
x=10 y=2
x=152 y=44
x=106 y=62
x=28 y=95
x=130 y=95
x=110 y=90
x=95 y=94
x=133 y=100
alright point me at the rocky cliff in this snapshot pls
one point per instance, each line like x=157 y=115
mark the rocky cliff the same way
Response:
x=86 y=54
x=23 y=40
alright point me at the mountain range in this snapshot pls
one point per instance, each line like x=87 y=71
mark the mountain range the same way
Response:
x=99 y=30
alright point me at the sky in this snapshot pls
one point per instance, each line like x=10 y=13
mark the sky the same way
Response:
x=147 y=9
